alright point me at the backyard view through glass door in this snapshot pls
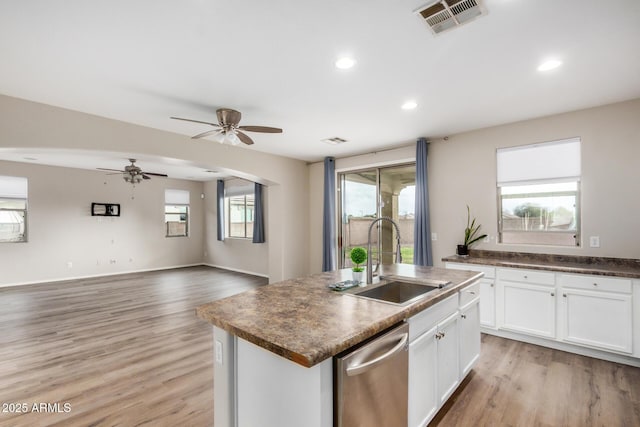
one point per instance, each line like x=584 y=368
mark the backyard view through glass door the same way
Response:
x=373 y=193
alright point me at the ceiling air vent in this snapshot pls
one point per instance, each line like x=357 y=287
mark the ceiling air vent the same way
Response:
x=446 y=14
x=334 y=141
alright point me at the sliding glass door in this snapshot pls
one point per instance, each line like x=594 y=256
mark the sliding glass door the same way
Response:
x=373 y=193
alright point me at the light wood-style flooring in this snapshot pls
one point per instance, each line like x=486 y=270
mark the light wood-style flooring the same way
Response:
x=124 y=350
x=519 y=384
x=129 y=351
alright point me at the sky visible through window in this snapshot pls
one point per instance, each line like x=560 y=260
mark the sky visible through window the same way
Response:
x=362 y=200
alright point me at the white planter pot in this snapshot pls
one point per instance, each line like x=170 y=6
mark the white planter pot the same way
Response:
x=357 y=276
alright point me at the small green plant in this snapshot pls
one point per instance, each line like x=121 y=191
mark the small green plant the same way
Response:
x=358 y=256
x=470 y=233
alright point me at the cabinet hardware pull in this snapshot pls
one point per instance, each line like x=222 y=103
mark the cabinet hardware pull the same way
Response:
x=464 y=316
x=552 y=294
x=525 y=277
x=595 y=284
x=472 y=292
x=564 y=295
x=492 y=285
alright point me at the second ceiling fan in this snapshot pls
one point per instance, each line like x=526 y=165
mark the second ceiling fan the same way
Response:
x=227 y=129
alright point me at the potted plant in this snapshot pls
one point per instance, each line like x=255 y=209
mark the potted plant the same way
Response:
x=358 y=256
x=470 y=235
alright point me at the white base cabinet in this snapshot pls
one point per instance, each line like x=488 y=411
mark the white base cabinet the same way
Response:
x=469 y=336
x=444 y=346
x=597 y=312
x=595 y=315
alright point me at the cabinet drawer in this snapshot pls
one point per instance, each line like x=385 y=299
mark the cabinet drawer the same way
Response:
x=595 y=283
x=469 y=293
x=527 y=276
x=428 y=318
x=489 y=272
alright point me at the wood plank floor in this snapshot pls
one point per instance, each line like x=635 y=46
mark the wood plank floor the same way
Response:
x=129 y=351
x=122 y=350
x=520 y=384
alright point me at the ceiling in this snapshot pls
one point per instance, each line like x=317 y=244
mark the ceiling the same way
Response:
x=144 y=61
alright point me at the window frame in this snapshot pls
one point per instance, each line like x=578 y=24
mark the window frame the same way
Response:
x=187 y=219
x=25 y=214
x=227 y=206
x=576 y=234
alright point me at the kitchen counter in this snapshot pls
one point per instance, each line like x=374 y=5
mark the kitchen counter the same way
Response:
x=304 y=321
x=621 y=267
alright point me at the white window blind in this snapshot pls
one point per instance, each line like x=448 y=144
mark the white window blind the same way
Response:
x=176 y=197
x=238 y=187
x=555 y=160
x=13 y=187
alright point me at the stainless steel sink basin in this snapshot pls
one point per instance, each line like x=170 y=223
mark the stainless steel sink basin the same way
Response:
x=400 y=292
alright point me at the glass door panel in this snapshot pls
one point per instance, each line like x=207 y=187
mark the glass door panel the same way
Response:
x=366 y=195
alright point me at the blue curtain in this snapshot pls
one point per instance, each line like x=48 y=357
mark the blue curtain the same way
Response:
x=421 y=228
x=220 y=201
x=258 y=215
x=329 y=216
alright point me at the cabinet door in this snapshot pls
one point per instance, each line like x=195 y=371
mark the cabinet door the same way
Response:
x=529 y=308
x=487 y=303
x=469 y=337
x=597 y=319
x=448 y=360
x=423 y=398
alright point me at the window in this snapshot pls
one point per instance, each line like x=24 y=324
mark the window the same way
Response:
x=176 y=213
x=239 y=207
x=13 y=209
x=539 y=194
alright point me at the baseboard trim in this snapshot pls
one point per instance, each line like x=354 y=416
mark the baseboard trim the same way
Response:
x=569 y=348
x=89 y=276
x=237 y=270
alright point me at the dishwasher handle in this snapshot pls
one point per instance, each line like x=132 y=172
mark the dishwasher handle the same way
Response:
x=364 y=367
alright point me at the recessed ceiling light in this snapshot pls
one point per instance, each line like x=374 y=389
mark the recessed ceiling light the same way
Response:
x=549 y=65
x=345 y=63
x=409 y=105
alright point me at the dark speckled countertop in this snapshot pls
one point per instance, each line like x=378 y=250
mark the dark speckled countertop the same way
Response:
x=620 y=267
x=306 y=322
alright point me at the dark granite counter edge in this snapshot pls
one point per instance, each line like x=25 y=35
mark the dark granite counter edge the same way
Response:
x=309 y=359
x=565 y=263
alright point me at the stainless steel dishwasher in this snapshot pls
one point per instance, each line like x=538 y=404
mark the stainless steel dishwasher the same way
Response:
x=372 y=382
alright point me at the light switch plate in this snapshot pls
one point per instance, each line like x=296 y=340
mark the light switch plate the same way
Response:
x=594 y=241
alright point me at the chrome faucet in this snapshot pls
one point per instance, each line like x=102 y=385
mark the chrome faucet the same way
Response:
x=369 y=261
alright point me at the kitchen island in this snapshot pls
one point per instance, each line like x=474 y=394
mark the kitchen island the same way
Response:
x=274 y=345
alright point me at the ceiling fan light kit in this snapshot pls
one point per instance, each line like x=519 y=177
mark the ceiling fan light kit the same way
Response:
x=227 y=130
x=134 y=174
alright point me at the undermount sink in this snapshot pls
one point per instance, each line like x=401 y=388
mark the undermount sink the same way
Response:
x=401 y=292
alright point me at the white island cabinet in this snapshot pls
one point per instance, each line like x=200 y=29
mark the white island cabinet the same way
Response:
x=277 y=349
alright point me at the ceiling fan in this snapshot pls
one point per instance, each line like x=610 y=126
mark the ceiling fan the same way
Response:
x=133 y=173
x=227 y=129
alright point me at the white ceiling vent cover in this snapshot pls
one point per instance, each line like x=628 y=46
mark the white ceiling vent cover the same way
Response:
x=446 y=14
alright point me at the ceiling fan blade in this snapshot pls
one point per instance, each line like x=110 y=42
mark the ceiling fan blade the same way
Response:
x=155 y=174
x=244 y=138
x=196 y=121
x=113 y=170
x=264 y=129
x=207 y=133
x=145 y=176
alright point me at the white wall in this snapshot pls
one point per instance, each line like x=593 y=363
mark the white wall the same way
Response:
x=234 y=254
x=462 y=170
x=25 y=124
x=61 y=229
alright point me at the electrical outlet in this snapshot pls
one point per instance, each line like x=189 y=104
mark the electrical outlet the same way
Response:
x=218 y=352
x=487 y=239
x=594 y=241
x=69 y=264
